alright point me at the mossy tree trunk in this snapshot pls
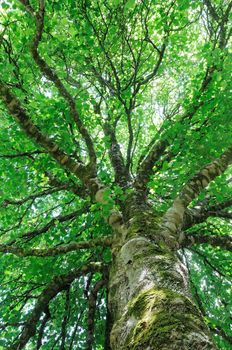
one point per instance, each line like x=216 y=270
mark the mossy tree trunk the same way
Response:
x=149 y=295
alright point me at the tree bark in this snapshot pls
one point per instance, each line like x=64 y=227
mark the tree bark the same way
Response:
x=149 y=297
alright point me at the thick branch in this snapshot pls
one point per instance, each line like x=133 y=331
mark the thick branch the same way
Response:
x=63 y=249
x=205 y=176
x=131 y=137
x=121 y=172
x=175 y=215
x=212 y=10
x=20 y=115
x=84 y=173
x=78 y=190
x=219 y=206
x=58 y=284
x=145 y=169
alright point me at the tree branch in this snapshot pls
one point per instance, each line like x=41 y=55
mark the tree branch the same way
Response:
x=42 y=328
x=91 y=313
x=212 y=10
x=65 y=318
x=145 y=169
x=174 y=216
x=147 y=162
x=60 y=218
x=221 y=22
x=223 y=241
x=219 y=206
x=57 y=284
x=22 y=154
x=20 y=115
x=63 y=249
x=150 y=76
x=52 y=76
x=122 y=175
x=193 y=216
x=220 y=331
x=131 y=135
x=33 y=196
x=84 y=173
x=28 y=7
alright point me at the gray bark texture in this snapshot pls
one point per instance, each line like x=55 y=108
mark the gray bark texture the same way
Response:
x=149 y=297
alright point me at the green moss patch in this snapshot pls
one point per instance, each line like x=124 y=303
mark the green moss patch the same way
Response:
x=163 y=316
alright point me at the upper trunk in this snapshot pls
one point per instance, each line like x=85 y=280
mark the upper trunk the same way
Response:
x=149 y=296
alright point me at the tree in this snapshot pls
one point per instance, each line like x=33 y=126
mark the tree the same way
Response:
x=115 y=174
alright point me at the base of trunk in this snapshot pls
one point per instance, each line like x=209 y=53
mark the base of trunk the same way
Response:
x=163 y=320
x=150 y=302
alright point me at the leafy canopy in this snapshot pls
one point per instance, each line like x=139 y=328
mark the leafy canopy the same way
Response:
x=117 y=77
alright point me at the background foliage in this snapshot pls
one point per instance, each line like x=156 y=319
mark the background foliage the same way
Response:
x=138 y=66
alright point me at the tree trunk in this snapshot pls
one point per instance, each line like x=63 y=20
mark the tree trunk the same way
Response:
x=149 y=297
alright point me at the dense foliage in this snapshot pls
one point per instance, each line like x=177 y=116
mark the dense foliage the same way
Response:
x=106 y=80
